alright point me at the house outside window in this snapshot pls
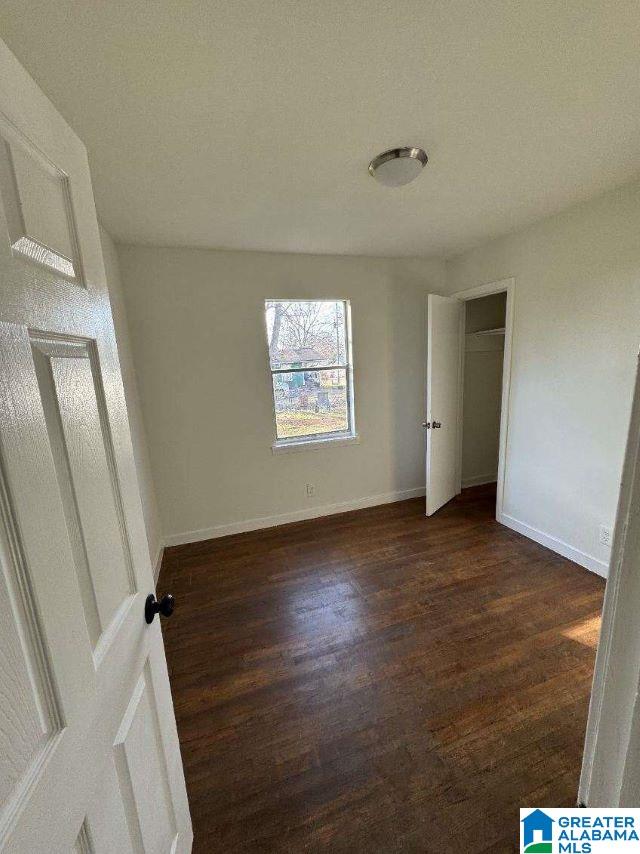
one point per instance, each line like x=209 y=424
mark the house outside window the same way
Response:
x=309 y=345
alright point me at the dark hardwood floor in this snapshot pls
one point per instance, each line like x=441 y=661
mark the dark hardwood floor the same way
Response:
x=378 y=681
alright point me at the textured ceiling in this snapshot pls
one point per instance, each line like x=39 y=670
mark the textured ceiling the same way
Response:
x=250 y=124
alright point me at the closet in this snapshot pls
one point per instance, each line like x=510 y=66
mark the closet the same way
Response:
x=482 y=388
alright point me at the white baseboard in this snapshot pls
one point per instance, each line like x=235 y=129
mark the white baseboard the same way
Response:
x=158 y=562
x=480 y=480
x=294 y=516
x=556 y=545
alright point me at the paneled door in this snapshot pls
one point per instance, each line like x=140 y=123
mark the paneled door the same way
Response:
x=89 y=754
x=443 y=360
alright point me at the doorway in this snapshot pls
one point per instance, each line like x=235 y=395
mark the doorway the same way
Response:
x=486 y=334
x=482 y=359
x=484 y=321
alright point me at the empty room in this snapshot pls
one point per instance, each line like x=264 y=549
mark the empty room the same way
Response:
x=319 y=426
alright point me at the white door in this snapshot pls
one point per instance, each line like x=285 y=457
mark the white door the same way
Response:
x=89 y=754
x=443 y=359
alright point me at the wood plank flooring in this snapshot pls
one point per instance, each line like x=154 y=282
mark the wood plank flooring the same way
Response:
x=378 y=681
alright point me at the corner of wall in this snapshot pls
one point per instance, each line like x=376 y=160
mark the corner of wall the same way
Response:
x=129 y=380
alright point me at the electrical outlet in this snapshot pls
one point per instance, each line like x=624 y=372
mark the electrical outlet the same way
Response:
x=311 y=490
x=605 y=535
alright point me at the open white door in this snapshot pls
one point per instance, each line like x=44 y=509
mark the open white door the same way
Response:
x=611 y=762
x=89 y=754
x=443 y=359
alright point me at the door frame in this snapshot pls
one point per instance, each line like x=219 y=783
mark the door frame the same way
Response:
x=501 y=286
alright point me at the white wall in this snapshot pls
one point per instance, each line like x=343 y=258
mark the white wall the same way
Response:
x=576 y=336
x=138 y=438
x=198 y=338
x=482 y=394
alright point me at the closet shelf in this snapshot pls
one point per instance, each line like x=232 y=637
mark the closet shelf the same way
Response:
x=498 y=331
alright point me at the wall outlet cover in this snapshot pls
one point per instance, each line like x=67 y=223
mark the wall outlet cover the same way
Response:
x=605 y=535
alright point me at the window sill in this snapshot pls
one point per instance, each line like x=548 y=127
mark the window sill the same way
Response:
x=314 y=444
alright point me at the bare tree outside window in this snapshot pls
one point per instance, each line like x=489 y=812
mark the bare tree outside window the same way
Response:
x=309 y=353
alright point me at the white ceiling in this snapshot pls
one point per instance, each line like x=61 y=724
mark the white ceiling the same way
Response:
x=249 y=124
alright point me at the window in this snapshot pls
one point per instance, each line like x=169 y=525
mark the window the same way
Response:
x=310 y=356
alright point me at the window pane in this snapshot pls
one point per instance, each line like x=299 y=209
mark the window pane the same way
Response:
x=310 y=402
x=306 y=334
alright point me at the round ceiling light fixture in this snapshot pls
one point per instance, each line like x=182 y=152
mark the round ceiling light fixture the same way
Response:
x=398 y=166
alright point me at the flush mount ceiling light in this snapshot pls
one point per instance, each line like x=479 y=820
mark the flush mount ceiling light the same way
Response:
x=398 y=166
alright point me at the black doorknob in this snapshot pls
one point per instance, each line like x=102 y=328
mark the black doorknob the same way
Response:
x=164 y=606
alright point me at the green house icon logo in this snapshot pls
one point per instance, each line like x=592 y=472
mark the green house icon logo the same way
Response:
x=537 y=833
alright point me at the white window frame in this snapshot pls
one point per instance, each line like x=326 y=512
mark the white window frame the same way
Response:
x=317 y=441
